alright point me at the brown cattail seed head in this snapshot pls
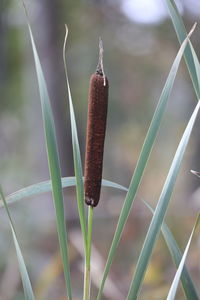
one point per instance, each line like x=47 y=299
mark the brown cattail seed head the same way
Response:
x=96 y=128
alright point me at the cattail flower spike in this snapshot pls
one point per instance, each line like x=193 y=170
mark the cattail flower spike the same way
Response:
x=96 y=129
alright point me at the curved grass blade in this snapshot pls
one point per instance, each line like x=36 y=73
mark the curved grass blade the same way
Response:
x=174 y=286
x=45 y=187
x=160 y=210
x=196 y=63
x=181 y=34
x=76 y=154
x=53 y=162
x=187 y=283
x=142 y=161
x=28 y=291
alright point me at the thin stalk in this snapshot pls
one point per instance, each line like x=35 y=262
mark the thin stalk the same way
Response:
x=87 y=280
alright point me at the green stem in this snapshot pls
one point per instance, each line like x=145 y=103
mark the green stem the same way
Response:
x=87 y=280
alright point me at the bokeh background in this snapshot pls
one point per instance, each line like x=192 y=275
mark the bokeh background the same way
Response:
x=140 y=45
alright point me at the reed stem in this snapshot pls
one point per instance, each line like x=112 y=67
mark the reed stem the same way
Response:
x=87 y=279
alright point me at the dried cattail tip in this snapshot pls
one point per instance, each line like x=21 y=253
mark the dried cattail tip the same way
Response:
x=96 y=128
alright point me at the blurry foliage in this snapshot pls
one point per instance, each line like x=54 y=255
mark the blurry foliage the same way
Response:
x=10 y=61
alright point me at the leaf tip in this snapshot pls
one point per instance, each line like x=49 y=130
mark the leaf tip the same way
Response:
x=66 y=30
x=192 y=30
x=195 y=173
x=64 y=46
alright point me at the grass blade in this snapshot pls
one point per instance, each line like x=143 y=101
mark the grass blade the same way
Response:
x=54 y=167
x=76 y=154
x=28 y=291
x=142 y=161
x=196 y=63
x=160 y=210
x=174 y=286
x=181 y=34
x=187 y=283
x=46 y=186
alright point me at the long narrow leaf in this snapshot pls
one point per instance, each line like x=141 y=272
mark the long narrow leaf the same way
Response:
x=46 y=186
x=174 y=286
x=196 y=63
x=54 y=167
x=28 y=291
x=181 y=34
x=142 y=161
x=76 y=155
x=160 y=210
x=187 y=283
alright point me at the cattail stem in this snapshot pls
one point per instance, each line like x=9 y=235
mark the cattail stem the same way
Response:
x=87 y=277
x=96 y=128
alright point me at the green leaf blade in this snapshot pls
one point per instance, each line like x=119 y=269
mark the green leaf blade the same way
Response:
x=28 y=291
x=174 y=286
x=160 y=211
x=181 y=34
x=142 y=162
x=46 y=186
x=187 y=283
x=54 y=167
x=76 y=154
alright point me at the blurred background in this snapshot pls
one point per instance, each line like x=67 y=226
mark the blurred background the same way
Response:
x=139 y=48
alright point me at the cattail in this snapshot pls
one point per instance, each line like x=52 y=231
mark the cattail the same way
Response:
x=96 y=128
